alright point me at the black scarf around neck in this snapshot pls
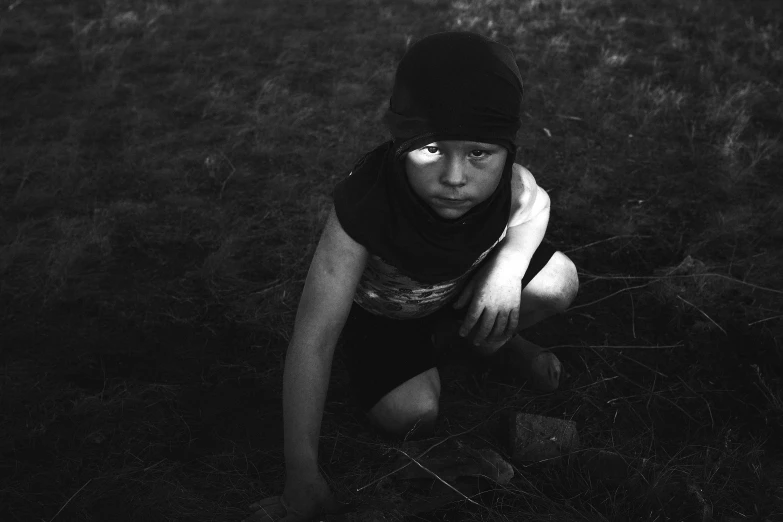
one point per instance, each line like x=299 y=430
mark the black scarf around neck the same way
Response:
x=448 y=86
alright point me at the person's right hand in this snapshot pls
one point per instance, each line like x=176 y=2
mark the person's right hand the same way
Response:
x=303 y=499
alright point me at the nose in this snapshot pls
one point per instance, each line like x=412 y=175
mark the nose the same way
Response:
x=453 y=174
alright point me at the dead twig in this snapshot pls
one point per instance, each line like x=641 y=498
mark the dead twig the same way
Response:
x=703 y=313
x=617 y=347
x=453 y=435
x=653 y=279
x=594 y=383
x=271 y=286
x=610 y=295
x=633 y=313
x=776 y=400
x=765 y=320
x=643 y=365
x=677 y=276
x=712 y=419
x=642 y=387
x=69 y=500
x=22 y=183
x=438 y=477
x=233 y=170
x=600 y=241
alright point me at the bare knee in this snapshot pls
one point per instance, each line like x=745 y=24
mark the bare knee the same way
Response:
x=411 y=408
x=562 y=284
x=570 y=285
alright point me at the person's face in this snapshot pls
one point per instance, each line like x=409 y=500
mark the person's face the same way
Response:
x=466 y=171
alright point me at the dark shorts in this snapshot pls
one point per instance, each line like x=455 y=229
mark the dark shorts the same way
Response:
x=381 y=353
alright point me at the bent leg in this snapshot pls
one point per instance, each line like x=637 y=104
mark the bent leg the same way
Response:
x=410 y=408
x=519 y=359
x=548 y=293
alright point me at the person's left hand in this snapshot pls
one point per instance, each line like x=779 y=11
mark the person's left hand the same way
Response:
x=494 y=293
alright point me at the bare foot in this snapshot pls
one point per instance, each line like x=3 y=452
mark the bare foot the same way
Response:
x=518 y=359
x=521 y=359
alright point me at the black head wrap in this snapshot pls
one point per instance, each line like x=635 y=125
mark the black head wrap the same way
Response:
x=448 y=86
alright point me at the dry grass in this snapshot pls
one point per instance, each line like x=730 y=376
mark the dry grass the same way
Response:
x=167 y=167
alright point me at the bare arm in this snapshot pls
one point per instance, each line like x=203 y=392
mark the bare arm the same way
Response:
x=326 y=300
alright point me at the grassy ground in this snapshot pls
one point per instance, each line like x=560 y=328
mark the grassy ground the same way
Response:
x=166 y=168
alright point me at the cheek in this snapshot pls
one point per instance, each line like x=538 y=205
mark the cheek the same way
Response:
x=487 y=189
x=490 y=183
x=416 y=179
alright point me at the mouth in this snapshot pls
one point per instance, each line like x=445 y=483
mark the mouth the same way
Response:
x=450 y=202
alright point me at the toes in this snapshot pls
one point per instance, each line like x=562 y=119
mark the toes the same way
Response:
x=546 y=372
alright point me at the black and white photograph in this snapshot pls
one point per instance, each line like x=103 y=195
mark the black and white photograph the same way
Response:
x=391 y=260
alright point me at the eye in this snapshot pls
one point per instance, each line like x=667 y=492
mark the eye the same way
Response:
x=480 y=153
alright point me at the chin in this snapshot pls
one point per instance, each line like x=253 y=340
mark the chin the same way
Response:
x=450 y=213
